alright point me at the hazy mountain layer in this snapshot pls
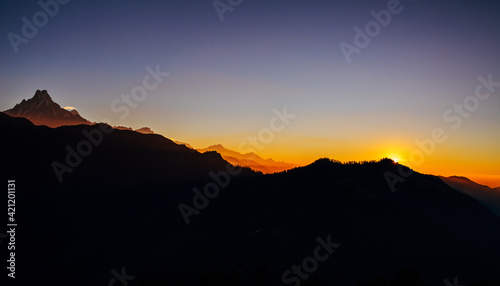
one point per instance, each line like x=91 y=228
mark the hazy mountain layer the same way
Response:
x=486 y=195
x=250 y=160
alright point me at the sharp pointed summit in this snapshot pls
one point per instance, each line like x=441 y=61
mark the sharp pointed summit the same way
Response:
x=42 y=110
x=43 y=96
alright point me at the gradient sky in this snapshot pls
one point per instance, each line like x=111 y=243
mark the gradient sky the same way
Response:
x=227 y=76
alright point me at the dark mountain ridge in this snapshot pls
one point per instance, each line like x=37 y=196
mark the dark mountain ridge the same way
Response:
x=122 y=156
x=119 y=208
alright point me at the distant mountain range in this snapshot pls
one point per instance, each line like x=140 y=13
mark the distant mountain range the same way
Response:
x=119 y=208
x=252 y=160
x=144 y=130
x=185 y=144
x=135 y=163
x=488 y=196
x=42 y=110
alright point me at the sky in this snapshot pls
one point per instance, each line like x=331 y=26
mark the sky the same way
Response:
x=233 y=64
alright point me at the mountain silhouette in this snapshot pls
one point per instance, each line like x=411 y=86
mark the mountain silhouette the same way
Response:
x=119 y=209
x=123 y=128
x=122 y=154
x=486 y=195
x=250 y=160
x=184 y=143
x=145 y=130
x=42 y=110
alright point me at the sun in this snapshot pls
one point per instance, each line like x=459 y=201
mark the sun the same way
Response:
x=395 y=158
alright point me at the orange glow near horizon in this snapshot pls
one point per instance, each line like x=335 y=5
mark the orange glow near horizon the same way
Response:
x=479 y=168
